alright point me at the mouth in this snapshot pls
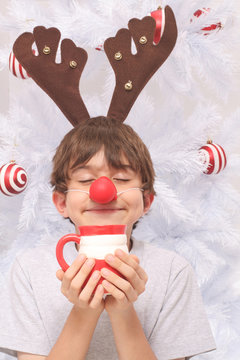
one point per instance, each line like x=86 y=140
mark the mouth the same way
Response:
x=104 y=210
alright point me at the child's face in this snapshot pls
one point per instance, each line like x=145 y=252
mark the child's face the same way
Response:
x=128 y=207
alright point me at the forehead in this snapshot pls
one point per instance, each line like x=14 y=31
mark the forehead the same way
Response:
x=99 y=162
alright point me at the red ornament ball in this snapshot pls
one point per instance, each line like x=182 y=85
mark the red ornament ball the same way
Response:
x=13 y=179
x=103 y=190
x=16 y=68
x=214 y=157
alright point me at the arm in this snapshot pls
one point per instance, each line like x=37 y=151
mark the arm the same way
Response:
x=24 y=356
x=76 y=335
x=77 y=332
x=130 y=339
x=131 y=342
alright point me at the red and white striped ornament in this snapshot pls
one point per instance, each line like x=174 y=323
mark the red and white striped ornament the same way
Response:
x=100 y=48
x=16 y=68
x=159 y=16
x=214 y=157
x=207 y=29
x=13 y=179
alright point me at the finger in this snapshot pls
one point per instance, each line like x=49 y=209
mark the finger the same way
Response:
x=115 y=292
x=72 y=271
x=87 y=291
x=60 y=274
x=97 y=298
x=133 y=261
x=78 y=281
x=120 y=283
x=135 y=258
x=130 y=272
x=127 y=258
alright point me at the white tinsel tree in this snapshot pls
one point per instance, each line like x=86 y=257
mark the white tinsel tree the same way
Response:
x=194 y=214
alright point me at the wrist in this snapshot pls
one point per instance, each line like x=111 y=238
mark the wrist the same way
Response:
x=125 y=313
x=88 y=313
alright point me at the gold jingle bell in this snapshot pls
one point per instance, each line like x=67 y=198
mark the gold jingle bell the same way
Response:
x=128 y=85
x=143 y=40
x=118 y=56
x=46 y=50
x=73 y=64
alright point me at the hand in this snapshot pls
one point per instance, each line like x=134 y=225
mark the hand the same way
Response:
x=124 y=291
x=72 y=285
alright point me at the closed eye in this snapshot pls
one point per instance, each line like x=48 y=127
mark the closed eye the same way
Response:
x=85 y=181
x=121 y=179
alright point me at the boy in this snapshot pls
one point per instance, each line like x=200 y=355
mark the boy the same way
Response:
x=156 y=312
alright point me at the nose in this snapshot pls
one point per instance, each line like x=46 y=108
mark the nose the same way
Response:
x=103 y=191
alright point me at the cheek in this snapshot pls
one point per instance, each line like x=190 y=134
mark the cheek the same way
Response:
x=137 y=206
x=75 y=203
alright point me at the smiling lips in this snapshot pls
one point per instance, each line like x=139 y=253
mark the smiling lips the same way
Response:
x=104 y=209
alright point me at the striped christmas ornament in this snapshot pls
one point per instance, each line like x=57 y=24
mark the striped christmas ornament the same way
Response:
x=214 y=157
x=159 y=16
x=100 y=48
x=16 y=68
x=207 y=29
x=13 y=179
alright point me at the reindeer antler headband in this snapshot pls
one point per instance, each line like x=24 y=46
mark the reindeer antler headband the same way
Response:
x=132 y=71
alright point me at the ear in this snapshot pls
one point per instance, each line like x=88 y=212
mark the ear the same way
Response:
x=147 y=200
x=59 y=200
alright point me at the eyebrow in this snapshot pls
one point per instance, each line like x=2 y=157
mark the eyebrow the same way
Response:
x=80 y=167
x=89 y=167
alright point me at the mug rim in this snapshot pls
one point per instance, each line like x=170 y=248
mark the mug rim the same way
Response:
x=88 y=230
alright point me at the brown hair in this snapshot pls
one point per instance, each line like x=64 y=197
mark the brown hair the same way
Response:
x=85 y=140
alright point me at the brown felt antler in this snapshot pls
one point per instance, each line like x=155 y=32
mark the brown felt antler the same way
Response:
x=133 y=71
x=59 y=81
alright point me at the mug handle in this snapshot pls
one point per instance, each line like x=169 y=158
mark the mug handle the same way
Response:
x=59 y=249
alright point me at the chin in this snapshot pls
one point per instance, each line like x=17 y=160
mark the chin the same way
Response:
x=103 y=218
x=106 y=221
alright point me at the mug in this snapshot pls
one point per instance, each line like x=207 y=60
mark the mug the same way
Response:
x=95 y=242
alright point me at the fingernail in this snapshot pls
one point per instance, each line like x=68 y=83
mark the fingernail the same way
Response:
x=95 y=275
x=81 y=257
x=106 y=283
x=100 y=289
x=119 y=252
x=105 y=272
x=90 y=262
x=110 y=258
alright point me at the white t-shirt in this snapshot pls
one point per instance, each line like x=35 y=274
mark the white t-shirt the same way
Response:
x=33 y=310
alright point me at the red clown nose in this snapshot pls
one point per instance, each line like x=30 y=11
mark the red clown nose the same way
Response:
x=103 y=190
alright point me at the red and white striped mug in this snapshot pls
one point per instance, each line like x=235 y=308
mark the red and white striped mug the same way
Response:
x=95 y=242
